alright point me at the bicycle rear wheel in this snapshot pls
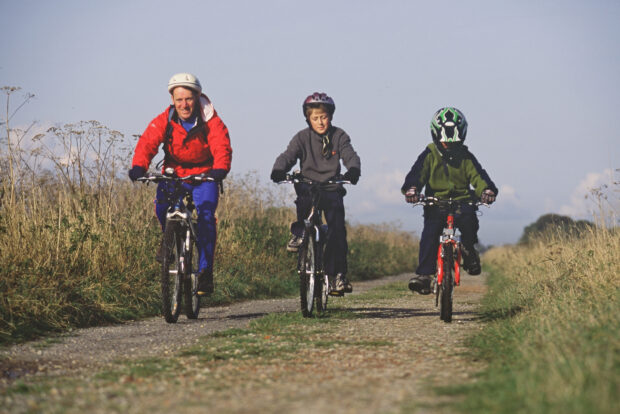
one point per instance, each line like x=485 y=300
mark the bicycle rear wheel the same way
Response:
x=446 y=289
x=171 y=273
x=191 y=299
x=307 y=275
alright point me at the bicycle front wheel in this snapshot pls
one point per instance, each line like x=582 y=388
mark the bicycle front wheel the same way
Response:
x=322 y=293
x=192 y=300
x=446 y=289
x=307 y=276
x=171 y=272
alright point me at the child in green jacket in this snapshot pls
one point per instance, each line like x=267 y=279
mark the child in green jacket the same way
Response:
x=446 y=169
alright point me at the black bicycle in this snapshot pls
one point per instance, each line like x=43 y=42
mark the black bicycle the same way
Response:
x=179 y=270
x=314 y=284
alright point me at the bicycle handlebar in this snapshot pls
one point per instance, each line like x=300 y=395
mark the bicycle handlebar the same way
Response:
x=157 y=177
x=431 y=201
x=298 y=178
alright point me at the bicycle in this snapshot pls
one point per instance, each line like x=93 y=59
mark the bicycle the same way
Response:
x=179 y=278
x=449 y=255
x=314 y=284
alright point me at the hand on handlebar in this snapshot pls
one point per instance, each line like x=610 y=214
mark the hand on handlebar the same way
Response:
x=217 y=174
x=412 y=195
x=353 y=175
x=487 y=197
x=278 y=175
x=136 y=172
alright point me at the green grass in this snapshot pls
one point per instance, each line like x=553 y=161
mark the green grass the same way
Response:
x=384 y=293
x=278 y=335
x=552 y=333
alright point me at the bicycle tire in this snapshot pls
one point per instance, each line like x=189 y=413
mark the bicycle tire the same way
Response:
x=322 y=293
x=447 y=285
x=171 y=273
x=307 y=274
x=191 y=299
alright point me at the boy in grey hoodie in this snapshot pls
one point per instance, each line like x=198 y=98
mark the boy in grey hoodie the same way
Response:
x=319 y=149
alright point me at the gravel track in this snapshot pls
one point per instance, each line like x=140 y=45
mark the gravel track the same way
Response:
x=424 y=352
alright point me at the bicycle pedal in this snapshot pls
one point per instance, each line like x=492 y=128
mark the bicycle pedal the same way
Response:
x=334 y=293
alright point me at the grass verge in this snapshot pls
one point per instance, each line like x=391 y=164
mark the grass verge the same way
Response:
x=552 y=338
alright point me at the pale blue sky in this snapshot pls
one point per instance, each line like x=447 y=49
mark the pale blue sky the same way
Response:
x=537 y=80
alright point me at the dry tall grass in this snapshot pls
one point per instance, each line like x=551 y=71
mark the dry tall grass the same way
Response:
x=78 y=240
x=554 y=337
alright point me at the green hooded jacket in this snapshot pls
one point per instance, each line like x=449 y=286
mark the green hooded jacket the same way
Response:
x=457 y=174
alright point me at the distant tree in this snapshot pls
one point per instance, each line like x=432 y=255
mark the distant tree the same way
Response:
x=554 y=224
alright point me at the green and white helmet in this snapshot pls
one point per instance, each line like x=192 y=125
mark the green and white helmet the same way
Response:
x=449 y=125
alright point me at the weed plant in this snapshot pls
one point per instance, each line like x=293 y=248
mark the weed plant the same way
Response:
x=553 y=334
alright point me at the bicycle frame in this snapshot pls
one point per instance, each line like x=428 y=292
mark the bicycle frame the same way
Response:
x=449 y=238
x=449 y=255
x=314 y=228
x=179 y=277
x=314 y=283
x=181 y=207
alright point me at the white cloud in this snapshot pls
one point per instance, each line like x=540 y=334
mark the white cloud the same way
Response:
x=376 y=192
x=508 y=194
x=582 y=203
x=384 y=187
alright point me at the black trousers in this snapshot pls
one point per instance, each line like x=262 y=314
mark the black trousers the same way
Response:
x=434 y=222
x=332 y=204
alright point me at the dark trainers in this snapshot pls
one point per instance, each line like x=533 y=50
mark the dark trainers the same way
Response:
x=294 y=243
x=337 y=286
x=471 y=261
x=421 y=284
x=348 y=288
x=205 y=283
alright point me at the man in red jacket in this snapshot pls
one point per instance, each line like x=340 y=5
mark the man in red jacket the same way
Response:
x=195 y=141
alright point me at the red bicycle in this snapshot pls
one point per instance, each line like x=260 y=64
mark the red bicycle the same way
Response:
x=449 y=254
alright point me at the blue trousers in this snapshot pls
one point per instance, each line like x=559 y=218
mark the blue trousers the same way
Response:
x=206 y=197
x=434 y=223
x=332 y=204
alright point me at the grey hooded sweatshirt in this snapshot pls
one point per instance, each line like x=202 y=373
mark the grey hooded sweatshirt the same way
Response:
x=307 y=147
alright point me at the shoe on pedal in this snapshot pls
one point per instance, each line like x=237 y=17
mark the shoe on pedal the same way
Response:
x=337 y=286
x=421 y=284
x=205 y=283
x=294 y=243
x=348 y=288
x=471 y=261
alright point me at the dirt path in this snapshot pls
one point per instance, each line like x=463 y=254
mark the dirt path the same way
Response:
x=384 y=358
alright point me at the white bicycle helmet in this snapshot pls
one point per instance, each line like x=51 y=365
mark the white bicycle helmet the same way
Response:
x=184 y=79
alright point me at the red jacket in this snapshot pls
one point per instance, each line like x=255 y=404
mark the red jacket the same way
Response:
x=205 y=147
